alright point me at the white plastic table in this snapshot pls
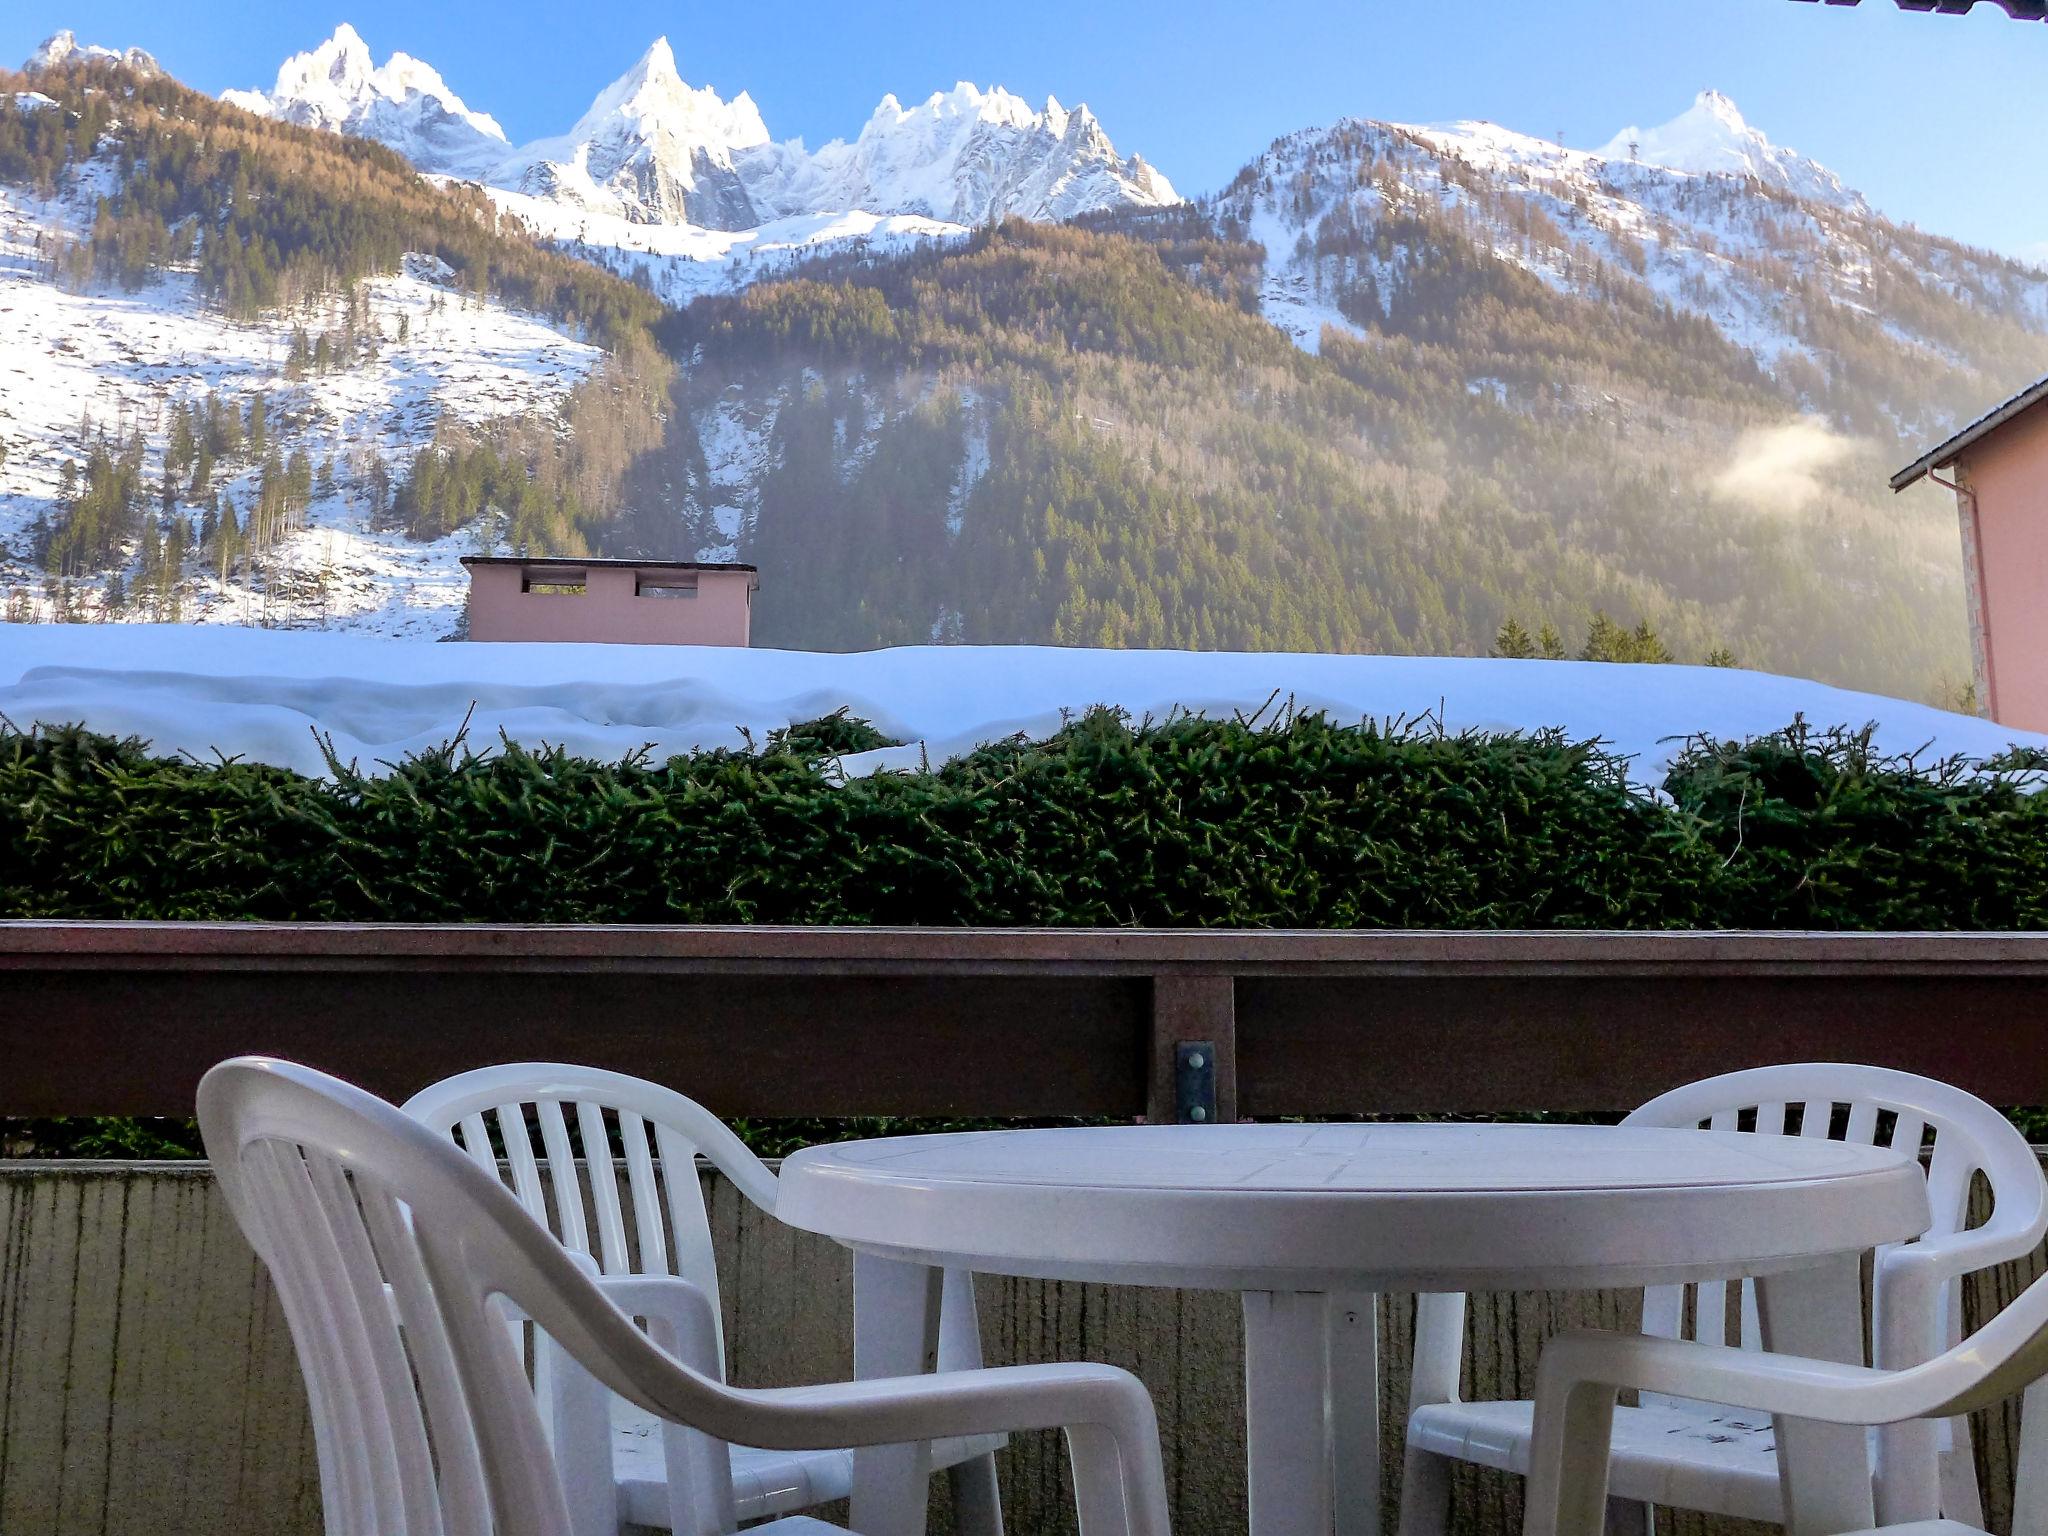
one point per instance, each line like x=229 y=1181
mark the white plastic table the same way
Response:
x=1308 y=1220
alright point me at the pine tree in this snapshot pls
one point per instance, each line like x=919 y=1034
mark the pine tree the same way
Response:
x=1513 y=641
x=1719 y=656
x=1606 y=641
x=1549 y=644
x=1645 y=646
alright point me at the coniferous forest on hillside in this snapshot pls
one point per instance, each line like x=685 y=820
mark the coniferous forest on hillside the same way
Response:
x=1088 y=433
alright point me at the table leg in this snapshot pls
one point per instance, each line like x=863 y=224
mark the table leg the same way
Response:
x=1824 y=1469
x=1355 y=1412
x=895 y=1333
x=1287 y=1412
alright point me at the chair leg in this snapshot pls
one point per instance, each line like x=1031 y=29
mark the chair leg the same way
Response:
x=977 y=1505
x=1960 y=1499
x=1425 y=1494
x=1630 y=1517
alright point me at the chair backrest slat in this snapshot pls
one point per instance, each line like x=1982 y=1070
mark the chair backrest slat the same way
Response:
x=476 y=1141
x=646 y=1191
x=603 y=1175
x=689 y=1223
x=519 y=1155
x=554 y=1140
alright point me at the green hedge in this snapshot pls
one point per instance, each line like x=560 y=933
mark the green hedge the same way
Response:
x=1294 y=822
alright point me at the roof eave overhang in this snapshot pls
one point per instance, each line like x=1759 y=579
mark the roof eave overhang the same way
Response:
x=1947 y=453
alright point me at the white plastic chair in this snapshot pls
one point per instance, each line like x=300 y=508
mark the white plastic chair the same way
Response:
x=588 y=1132
x=1580 y=1374
x=400 y=1263
x=1695 y=1451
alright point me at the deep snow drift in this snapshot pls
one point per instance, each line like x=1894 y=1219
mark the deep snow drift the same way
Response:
x=262 y=694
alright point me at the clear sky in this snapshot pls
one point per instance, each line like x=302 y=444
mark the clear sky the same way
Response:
x=1937 y=119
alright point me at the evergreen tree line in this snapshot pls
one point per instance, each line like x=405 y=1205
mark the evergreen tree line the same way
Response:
x=108 y=514
x=1606 y=640
x=545 y=484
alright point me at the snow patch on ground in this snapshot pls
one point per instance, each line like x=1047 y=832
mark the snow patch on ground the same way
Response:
x=974 y=462
x=738 y=438
x=263 y=694
x=1287 y=295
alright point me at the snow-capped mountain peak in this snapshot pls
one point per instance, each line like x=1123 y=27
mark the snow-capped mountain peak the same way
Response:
x=1711 y=137
x=651 y=149
x=652 y=98
x=63 y=47
x=405 y=104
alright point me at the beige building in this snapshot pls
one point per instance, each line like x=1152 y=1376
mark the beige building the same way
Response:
x=614 y=602
x=1998 y=468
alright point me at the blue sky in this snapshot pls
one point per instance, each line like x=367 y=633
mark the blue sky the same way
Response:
x=1907 y=108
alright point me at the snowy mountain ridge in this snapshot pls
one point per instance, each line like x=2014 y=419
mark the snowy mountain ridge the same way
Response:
x=63 y=47
x=404 y=104
x=965 y=156
x=653 y=150
x=1703 y=213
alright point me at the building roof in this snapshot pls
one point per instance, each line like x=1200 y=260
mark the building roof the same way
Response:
x=2018 y=10
x=1948 y=452
x=577 y=563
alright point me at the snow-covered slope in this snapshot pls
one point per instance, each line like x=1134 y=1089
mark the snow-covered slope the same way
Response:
x=262 y=695
x=653 y=152
x=404 y=104
x=1711 y=138
x=680 y=261
x=79 y=362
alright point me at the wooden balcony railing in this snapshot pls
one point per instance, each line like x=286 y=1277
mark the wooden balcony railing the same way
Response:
x=122 y=1018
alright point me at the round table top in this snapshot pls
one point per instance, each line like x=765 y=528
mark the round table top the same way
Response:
x=1366 y=1207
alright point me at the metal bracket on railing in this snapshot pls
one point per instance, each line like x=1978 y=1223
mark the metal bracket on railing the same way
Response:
x=1194 y=1082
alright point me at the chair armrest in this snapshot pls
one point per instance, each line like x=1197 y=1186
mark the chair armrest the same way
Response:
x=679 y=1308
x=892 y=1410
x=1955 y=1254
x=1580 y=1373
x=1111 y=1430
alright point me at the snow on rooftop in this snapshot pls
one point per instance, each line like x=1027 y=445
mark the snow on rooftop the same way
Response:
x=262 y=694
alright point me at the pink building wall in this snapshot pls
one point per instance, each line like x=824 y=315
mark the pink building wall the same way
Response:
x=612 y=608
x=2004 y=508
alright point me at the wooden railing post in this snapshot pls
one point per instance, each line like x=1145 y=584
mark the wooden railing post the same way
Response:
x=1194 y=1049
